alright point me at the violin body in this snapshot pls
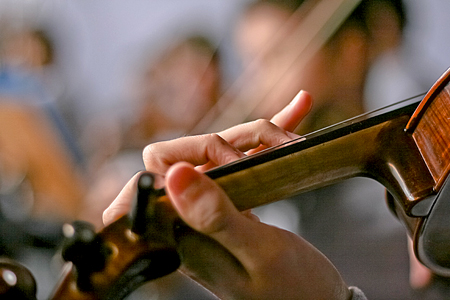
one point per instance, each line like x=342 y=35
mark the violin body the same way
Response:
x=430 y=129
x=406 y=150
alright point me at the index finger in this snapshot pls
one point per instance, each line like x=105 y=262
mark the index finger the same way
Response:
x=197 y=150
x=290 y=116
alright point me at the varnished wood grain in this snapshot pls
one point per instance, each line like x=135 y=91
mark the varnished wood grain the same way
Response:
x=432 y=136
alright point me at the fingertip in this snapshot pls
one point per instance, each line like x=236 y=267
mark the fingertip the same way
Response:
x=302 y=101
x=291 y=116
x=105 y=217
x=114 y=212
x=108 y=216
x=121 y=205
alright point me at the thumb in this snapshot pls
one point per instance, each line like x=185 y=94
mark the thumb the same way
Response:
x=206 y=208
x=198 y=200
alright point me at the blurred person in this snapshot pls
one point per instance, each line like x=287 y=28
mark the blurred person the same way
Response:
x=168 y=94
x=335 y=74
x=41 y=164
x=173 y=90
x=176 y=90
x=349 y=222
x=27 y=64
x=25 y=88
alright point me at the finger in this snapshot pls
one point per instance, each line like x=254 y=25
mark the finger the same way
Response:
x=252 y=134
x=206 y=167
x=290 y=116
x=122 y=204
x=249 y=251
x=266 y=135
x=207 y=209
x=419 y=275
x=217 y=149
x=199 y=201
x=249 y=214
x=197 y=150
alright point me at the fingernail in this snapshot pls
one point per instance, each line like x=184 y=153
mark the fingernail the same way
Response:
x=108 y=216
x=296 y=98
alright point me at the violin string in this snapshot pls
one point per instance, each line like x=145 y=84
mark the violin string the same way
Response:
x=319 y=23
x=329 y=128
x=356 y=118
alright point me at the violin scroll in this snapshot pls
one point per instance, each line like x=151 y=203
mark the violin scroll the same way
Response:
x=137 y=248
x=86 y=250
x=16 y=281
x=429 y=126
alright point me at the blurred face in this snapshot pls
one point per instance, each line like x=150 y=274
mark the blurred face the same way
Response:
x=26 y=50
x=184 y=85
x=193 y=79
x=282 y=65
x=266 y=44
x=257 y=29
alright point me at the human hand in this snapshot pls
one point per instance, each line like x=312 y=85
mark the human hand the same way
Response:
x=210 y=150
x=419 y=275
x=235 y=256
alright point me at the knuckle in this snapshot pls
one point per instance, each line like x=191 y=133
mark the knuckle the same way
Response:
x=211 y=223
x=265 y=127
x=214 y=138
x=147 y=153
x=153 y=157
x=209 y=218
x=264 y=123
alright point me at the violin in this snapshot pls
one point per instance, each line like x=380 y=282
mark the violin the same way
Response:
x=405 y=147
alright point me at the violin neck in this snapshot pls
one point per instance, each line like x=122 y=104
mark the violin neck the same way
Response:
x=376 y=147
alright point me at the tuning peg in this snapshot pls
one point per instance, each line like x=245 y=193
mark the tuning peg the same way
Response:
x=85 y=249
x=16 y=281
x=143 y=209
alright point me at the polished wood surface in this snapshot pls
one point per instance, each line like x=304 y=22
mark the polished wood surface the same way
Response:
x=432 y=135
x=382 y=152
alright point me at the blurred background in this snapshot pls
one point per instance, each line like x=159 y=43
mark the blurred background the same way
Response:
x=85 y=85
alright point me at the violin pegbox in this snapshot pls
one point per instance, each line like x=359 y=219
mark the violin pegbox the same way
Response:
x=87 y=251
x=430 y=128
x=16 y=281
x=136 y=248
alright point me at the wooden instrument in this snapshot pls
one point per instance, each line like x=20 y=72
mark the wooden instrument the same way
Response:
x=406 y=149
x=16 y=281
